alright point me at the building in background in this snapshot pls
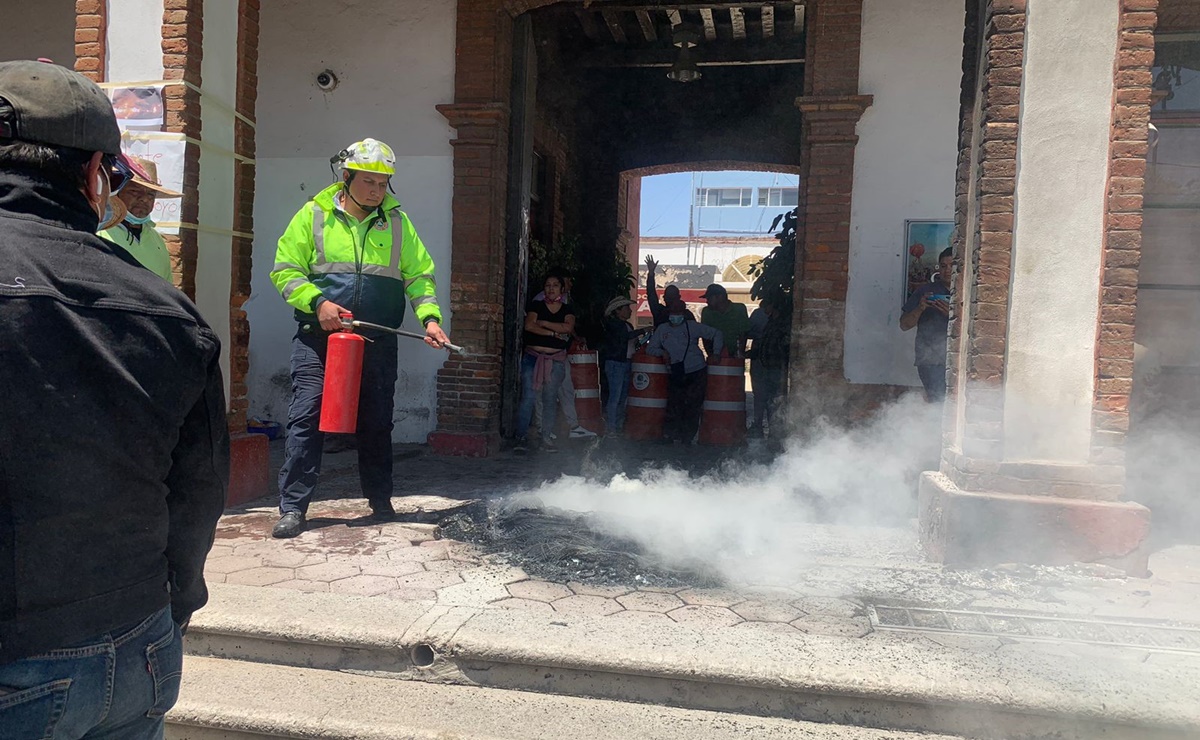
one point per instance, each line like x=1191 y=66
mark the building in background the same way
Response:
x=1074 y=227
x=710 y=227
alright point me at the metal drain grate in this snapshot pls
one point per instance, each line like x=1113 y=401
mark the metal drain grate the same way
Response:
x=1142 y=635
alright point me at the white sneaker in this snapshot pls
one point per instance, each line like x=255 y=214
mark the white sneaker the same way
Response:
x=580 y=432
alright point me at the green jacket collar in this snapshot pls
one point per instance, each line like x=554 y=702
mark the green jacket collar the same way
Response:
x=324 y=199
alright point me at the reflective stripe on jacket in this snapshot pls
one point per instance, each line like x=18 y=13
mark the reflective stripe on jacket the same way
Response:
x=327 y=252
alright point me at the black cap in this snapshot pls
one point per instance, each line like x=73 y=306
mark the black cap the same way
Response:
x=715 y=290
x=57 y=106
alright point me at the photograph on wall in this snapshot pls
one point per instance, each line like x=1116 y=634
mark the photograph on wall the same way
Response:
x=138 y=107
x=923 y=242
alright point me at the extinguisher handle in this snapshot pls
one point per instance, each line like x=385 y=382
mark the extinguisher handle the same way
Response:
x=347 y=320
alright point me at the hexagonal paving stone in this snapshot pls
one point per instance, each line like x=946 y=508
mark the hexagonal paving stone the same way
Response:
x=260 y=576
x=416 y=554
x=642 y=617
x=540 y=607
x=766 y=611
x=363 y=585
x=586 y=606
x=827 y=607
x=539 y=590
x=650 y=601
x=231 y=564
x=327 y=571
x=392 y=568
x=436 y=566
x=220 y=551
x=710 y=597
x=428 y=580
x=705 y=616
x=214 y=577
x=586 y=589
x=768 y=628
x=494 y=573
x=302 y=585
x=412 y=594
x=292 y=558
x=833 y=626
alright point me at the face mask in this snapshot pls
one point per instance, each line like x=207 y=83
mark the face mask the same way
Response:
x=136 y=220
x=114 y=211
x=676 y=320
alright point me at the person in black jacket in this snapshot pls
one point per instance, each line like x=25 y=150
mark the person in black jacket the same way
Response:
x=114 y=450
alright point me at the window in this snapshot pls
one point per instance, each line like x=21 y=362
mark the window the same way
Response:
x=723 y=197
x=779 y=197
x=1176 y=74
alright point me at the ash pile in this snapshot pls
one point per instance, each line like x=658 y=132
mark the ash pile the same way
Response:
x=562 y=546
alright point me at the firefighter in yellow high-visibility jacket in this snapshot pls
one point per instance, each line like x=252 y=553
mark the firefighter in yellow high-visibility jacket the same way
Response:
x=350 y=249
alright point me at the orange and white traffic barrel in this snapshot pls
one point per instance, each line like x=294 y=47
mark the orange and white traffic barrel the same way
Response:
x=723 y=423
x=646 y=406
x=585 y=376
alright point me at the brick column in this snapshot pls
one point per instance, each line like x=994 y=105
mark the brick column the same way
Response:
x=91 y=39
x=468 y=389
x=183 y=52
x=1041 y=341
x=831 y=108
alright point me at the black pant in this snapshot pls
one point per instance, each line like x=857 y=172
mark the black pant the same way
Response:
x=302 y=464
x=685 y=402
x=933 y=377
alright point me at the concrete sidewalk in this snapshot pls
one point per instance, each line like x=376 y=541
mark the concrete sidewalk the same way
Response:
x=865 y=616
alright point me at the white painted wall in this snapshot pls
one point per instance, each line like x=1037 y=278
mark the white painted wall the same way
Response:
x=904 y=168
x=393 y=69
x=43 y=29
x=214 y=261
x=1062 y=163
x=137 y=26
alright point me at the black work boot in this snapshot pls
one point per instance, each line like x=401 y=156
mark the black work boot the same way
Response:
x=289 y=525
x=381 y=510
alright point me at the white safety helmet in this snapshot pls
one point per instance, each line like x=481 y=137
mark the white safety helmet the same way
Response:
x=368 y=155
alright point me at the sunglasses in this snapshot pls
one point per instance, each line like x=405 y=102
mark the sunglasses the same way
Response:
x=119 y=172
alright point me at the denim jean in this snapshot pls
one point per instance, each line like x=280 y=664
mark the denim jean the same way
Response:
x=116 y=686
x=617 y=373
x=548 y=393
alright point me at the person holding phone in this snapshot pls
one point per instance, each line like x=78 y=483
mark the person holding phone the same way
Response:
x=928 y=309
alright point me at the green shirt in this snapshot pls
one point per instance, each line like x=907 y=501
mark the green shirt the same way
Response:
x=150 y=250
x=733 y=322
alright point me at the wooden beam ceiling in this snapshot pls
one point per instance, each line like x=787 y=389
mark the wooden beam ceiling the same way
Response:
x=737 y=19
x=647 y=25
x=710 y=26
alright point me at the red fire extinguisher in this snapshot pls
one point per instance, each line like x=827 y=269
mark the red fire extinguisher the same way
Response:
x=343 y=379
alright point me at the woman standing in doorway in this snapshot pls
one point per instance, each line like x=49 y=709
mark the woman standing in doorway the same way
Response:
x=549 y=324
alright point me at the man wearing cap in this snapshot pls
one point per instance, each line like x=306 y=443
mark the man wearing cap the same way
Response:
x=114 y=450
x=136 y=232
x=616 y=354
x=726 y=316
x=349 y=250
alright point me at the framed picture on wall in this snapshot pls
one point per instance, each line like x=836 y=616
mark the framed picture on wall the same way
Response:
x=923 y=242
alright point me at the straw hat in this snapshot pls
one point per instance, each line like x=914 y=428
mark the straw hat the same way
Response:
x=616 y=303
x=152 y=182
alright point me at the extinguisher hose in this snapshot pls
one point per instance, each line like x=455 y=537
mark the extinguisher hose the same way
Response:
x=401 y=333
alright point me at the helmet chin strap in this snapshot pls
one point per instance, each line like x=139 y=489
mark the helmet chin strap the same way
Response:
x=350 y=195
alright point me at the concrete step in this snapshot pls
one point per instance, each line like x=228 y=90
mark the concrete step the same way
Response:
x=886 y=680
x=234 y=700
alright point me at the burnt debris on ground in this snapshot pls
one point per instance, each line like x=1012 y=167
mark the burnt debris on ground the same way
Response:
x=562 y=546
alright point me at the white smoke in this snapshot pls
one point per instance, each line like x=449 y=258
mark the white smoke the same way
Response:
x=742 y=520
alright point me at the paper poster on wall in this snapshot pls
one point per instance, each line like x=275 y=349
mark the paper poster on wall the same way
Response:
x=138 y=107
x=166 y=152
x=923 y=242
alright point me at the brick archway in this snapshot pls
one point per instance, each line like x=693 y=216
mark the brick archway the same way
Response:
x=469 y=389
